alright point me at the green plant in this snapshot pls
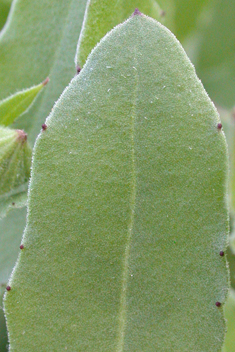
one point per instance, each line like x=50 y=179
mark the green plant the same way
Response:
x=135 y=148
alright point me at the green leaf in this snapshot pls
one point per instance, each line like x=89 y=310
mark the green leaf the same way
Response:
x=3 y=332
x=215 y=62
x=11 y=230
x=102 y=15
x=41 y=46
x=4 y=10
x=12 y=227
x=127 y=208
x=230 y=316
x=15 y=105
x=39 y=40
x=186 y=16
x=15 y=162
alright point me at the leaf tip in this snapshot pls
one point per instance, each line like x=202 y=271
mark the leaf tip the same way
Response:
x=21 y=136
x=78 y=69
x=44 y=83
x=137 y=12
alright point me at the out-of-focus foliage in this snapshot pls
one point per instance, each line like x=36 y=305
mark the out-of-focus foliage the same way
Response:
x=4 y=11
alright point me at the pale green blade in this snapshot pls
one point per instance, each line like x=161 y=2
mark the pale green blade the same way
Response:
x=127 y=208
x=230 y=316
x=15 y=105
x=102 y=15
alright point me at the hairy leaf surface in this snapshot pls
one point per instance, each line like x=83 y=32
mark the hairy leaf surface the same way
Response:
x=127 y=208
x=102 y=15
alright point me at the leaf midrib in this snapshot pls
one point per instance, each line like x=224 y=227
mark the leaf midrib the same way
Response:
x=122 y=313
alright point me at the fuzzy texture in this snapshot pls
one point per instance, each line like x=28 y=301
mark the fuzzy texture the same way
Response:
x=102 y=15
x=127 y=208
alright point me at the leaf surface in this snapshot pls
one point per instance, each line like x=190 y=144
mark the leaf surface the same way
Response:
x=127 y=208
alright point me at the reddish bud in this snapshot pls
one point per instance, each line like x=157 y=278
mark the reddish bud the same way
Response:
x=13 y=203
x=44 y=127
x=218 y=304
x=46 y=81
x=8 y=288
x=137 y=12
x=21 y=246
x=221 y=253
x=22 y=136
x=78 y=68
x=219 y=126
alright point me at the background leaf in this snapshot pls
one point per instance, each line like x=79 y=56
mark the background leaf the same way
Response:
x=4 y=10
x=15 y=162
x=15 y=105
x=127 y=237
x=12 y=228
x=230 y=316
x=215 y=62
